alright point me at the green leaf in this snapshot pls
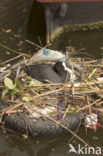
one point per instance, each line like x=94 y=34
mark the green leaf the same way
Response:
x=75 y=111
x=18 y=84
x=4 y=93
x=14 y=91
x=34 y=82
x=9 y=83
x=25 y=99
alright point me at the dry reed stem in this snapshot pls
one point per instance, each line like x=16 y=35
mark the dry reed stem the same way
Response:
x=34 y=44
x=99 y=109
x=13 y=111
x=69 y=85
x=74 y=134
x=91 y=74
x=10 y=108
x=89 y=62
x=48 y=93
x=95 y=102
x=12 y=59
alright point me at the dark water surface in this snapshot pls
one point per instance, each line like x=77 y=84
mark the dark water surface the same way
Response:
x=14 y=145
x=89 y=40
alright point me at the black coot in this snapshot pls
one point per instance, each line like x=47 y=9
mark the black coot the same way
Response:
x=42 y=72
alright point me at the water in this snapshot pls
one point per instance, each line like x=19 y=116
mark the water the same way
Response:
x=90 y=40
x=13 y=144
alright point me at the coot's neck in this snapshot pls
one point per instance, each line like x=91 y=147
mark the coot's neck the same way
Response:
x=59 y=68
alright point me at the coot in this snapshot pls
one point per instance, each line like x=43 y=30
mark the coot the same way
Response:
x=52 y=72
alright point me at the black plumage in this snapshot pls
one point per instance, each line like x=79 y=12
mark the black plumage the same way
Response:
x=42 y=72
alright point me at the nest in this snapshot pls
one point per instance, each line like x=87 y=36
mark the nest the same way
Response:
x=54 y=100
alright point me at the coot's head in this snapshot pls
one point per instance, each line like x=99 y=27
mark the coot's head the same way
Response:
x=59 y=68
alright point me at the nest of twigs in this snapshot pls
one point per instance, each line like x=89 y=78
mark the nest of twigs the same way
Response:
x=24 y=93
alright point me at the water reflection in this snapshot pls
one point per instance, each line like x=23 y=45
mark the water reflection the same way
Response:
x=13 y=145
x=91 y=40
x=36 y=27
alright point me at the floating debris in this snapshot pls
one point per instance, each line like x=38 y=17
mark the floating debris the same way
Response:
x=57 y=102
x=91 y=121
x=48 y=55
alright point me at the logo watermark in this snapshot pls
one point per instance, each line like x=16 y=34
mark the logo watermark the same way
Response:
x=85 y=150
